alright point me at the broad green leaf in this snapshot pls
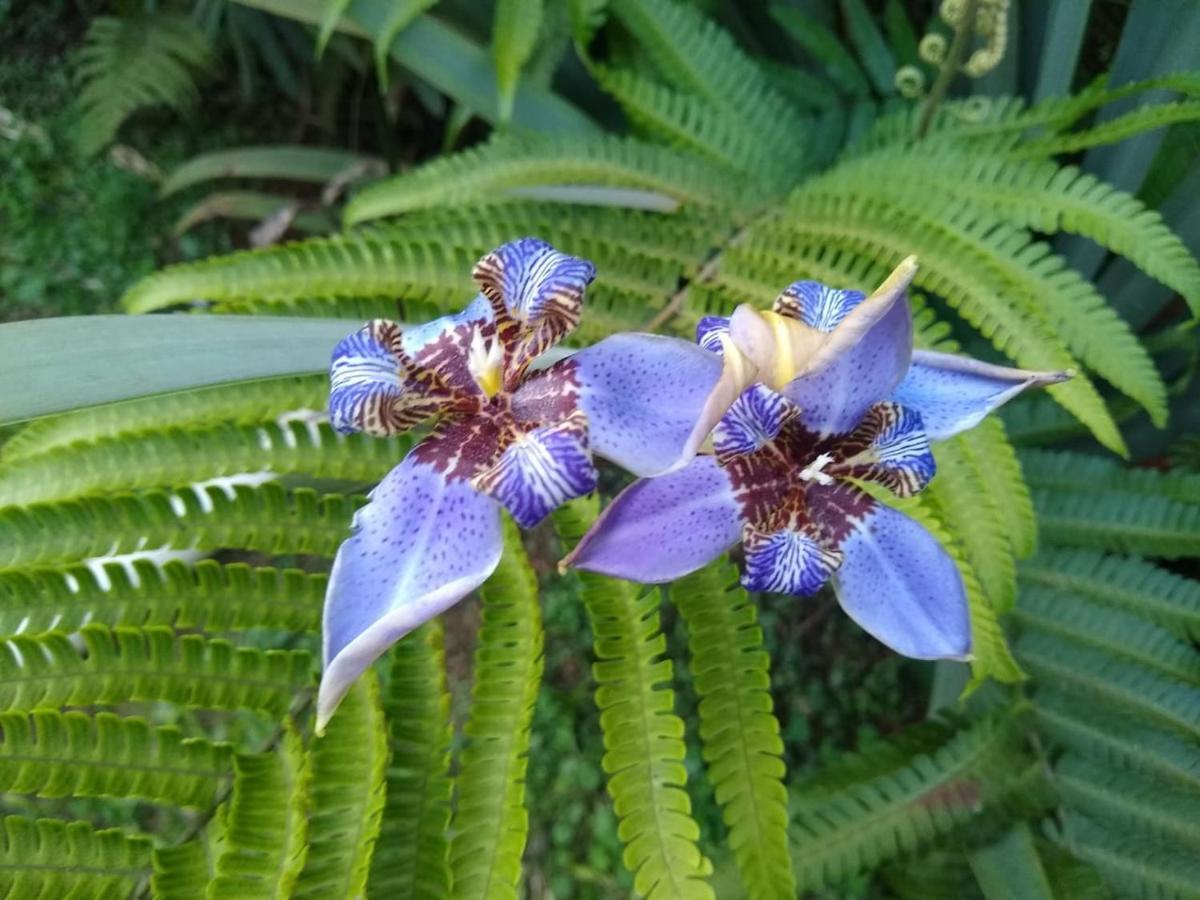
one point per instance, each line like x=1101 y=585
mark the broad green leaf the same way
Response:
x=53 y=365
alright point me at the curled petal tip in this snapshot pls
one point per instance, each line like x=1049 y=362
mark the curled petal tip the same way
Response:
x=898 y=281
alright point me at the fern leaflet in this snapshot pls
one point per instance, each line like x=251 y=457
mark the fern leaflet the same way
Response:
x=49 y=858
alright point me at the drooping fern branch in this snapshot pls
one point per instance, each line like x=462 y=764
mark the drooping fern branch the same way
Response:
x=412 y=854
x=490 y=821
x=738 y=729
x=643 y=738
x=51 y=858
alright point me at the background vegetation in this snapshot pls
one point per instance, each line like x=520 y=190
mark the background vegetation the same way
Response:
x=157 y=732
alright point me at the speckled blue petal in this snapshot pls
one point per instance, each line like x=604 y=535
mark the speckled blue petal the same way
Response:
x=834 y=400
x=542 y=469
x=754 y=419
x=953 y=393
x=660 y=529
x=650 y=400
x=787 y=561
x=817 y=305
x=895 y=451
x=898 y=583
x=418 y=547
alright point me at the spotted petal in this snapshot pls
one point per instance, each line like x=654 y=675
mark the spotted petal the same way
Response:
x=385 y=377
x=650 y=400
x=542 y=469
x=418 y=547
x=898 y=583
x=539 y=287
x=953 y=393
x=889 y=448
x=754 y=419
x=787 y=561
x=660 y=529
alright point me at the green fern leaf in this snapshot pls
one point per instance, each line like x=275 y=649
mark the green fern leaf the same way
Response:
x=267 y=829
x=509 y=163
x=948 y=780
x=1130 y=584
x=178 y=457
x=265 y=518
x=349 y=763
x=208 y=596
x=1136 y=865
x=54 y=754
x=123 y=664
x=182 y=872
x=643 y=738
x=514 y=36
x=412 y=854
x=131 y=63
x=490 y=821
x=824 y=47
x=49 y=858
x=1079 y=472
x=242 y=403
x=1125 y=523
x=1145 y=118
x=739 y=731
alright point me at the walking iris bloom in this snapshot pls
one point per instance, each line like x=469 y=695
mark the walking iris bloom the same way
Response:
x=505 y=435
x=841 y=398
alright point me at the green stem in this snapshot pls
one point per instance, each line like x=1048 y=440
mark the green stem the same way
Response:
x=958 y=47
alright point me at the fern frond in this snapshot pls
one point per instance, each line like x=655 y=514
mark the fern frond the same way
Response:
x=1004 y=262
x=905 y=808
x=1124 y=523
x=509 y=162
x=69 y=754
x=412 y=853
x=1117 y=737
x=996 y=462
x=1111 y=630
x=1098 y=677
x=1038 y=195
x=50 y=858
x=182 y=872
x=1081 y=472
x=349 y=764
x=700 y=59
x=1134 y=585
x=1136 y=865
x=972 y=286
x=267 y=828
x=490 y=820
x=115 y=666
x=265 y=518
x=1128 y=799
x=643 y=738
x=178 y=457
x=242 y=403
x=1145 y=118
x=207 y=596
x=739 y=731
x=130 y=63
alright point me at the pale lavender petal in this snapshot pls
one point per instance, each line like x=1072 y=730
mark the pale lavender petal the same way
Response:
x=953 y=393
x=541 y=470
x=754 y=419
x=417 y=548
x=834 y=399
x=787 y=562
x=898 y=583
x=890 y=448
x=650 y=400
x=660 y=529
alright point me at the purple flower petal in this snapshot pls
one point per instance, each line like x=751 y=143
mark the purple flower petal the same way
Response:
x=898 y=583
x=385 y=378
x=539 y=287
x=660 y=529
x=890 y=448
x=709 y=331
x=541 y=470
x=787 y=562
x=953 y=393
x=754 y=419
x=817 y=305
x=834 y=400
x=650 y=400
x=418 y=547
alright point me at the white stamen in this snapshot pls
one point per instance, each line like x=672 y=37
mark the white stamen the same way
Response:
x=813 y=471
x=485 y=360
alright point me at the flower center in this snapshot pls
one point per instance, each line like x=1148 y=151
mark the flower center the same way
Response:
x=485 y=360
x=814 y=471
